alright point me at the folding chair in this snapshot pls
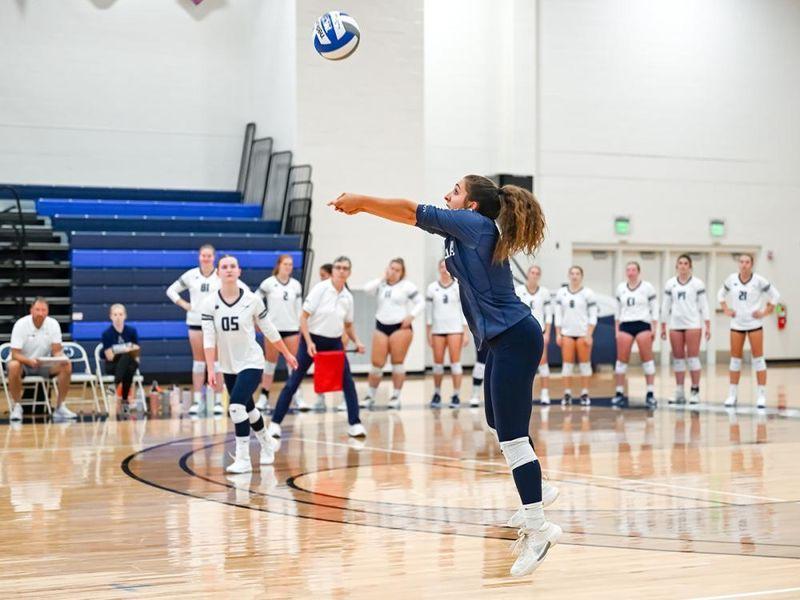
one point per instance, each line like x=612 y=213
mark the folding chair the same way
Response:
x=104 y=379
x=81 y=372
x=38 y=383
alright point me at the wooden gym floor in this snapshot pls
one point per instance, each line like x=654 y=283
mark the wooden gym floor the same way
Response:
x=675 y=503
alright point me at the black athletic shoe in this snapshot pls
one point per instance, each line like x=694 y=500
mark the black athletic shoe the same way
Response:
x=436 y=401
x=619 y=400
x=455 y=401
x=586 y=400
x=650 y=400
x=567 y=399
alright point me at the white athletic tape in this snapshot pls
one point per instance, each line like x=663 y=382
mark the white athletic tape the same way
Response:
x=198 y=366
x=438 y=369
x=567 y=369
x=518 y=452
x=254 y=415
x=478 y=370
x=679 y=365
x=620 y=368
x=735 y=365
x=759 y=364
x=543 y=370
x=694 y=363
x=456 y=368
x=586 y=369
x=376 y=371
x=269 y=367
x=399 y=369
x=238 y=413
x=649 y=367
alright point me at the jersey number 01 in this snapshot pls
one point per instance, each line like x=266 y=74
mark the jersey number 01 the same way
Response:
x=229 y=323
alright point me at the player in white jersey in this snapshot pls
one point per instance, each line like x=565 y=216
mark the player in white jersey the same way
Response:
x=576 y=318
x=229 y=318
x=538 y=298
x=283 y=297
x=743 y=297
x=636 y=321
x=399 y=303
x=684 y=311
x=446 y=330
x=202 y=281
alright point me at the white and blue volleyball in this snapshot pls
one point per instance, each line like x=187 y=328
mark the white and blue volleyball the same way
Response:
x=336 y=35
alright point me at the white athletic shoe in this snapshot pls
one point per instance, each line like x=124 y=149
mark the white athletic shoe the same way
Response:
x=366 y=402
x=62 y=412
x=16 y=412
x=267 y=456
x=218 y=410
x=761 y=402
x=194 y=408
x=394 y=403
x=357 y=430
x=474 y=402
x=239 y=465
x=273 y=429
x=545 y=396
x=262 y=403
x=341 y=407
x=549 y=495
x=694 y=398
x=300 y=404
x=532 y=546
x=320 y=405
x=730 y=401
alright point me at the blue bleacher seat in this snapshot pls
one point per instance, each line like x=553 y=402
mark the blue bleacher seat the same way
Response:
x=184 y=241
x=197 y=225
x=93 y=330
x=65 y=206
x=186 y=259
x=154 y=277
x=117 y=193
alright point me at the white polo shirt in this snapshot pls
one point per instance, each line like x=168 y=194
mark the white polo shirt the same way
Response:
x=329 y=309
x=33 y=342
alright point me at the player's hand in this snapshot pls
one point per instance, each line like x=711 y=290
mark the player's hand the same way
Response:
x=348 y=204
x=430 y=340
x=589 y=340
x=212 y=378
x=559 y=339
x=406 y=323
x=663 y=333
x=291 y=360
x=360 y=348
x=465 y=341
x=708 y=333
x=758 y=314
x=311 y=347
x=730 y=312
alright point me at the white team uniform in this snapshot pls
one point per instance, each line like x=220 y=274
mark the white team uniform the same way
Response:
x=199 y=287
x=394 y=300
x=637 y=304
x=284 y=303
x=540 y=303
x=685 y=305
x=575 y=312
x=443 y=309
x=744 y=298
x=231 y=329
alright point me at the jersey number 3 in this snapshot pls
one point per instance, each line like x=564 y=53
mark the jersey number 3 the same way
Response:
x=229 y=323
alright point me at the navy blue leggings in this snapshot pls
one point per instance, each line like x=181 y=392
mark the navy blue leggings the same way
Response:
x=511 y=365
x=304 y=362
x=241 y=387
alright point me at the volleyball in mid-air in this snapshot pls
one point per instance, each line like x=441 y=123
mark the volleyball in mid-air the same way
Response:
x=336 y=35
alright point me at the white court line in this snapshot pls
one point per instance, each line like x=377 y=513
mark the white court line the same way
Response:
x=749 y=594
x=496 y=464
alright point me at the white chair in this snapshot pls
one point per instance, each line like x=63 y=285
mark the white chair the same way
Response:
x=103 y=379
x=81 y=373
x=37 y=382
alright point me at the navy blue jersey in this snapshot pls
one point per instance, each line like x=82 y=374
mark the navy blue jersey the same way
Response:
x=488 y=298
x=111 y=336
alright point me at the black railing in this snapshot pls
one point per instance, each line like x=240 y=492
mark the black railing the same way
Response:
x=21 y=237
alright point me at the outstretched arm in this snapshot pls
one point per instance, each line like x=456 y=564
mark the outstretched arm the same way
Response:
x=399 y=210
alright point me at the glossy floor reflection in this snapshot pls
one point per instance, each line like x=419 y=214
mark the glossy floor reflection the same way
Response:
x=674 y=503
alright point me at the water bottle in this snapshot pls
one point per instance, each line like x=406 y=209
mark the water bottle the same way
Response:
x=175 y=401
x=153 y=398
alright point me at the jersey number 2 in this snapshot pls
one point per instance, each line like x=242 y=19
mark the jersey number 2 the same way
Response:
x=230 y=323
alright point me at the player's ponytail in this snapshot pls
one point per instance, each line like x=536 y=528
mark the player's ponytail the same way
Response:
x=518 y=214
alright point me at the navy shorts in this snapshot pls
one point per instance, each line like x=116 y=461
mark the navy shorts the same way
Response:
x=388 y=329
x=634 y=328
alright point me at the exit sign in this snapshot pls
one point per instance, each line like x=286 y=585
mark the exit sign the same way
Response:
x=622 y=225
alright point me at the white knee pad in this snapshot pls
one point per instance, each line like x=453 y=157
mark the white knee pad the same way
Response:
x=376 y=371
x=679 y=365
x=399 y=369
x=269 y=367
x=586 y=369
x=438 y=368
x=620 y=368
x=254 y=415
x=694 y=363
x=543 y=370
x=456 y=368
x=238 y=413
x=217 y=368
x=649 y=367
x=198 y=366
x=518 y=452
x=478 y=370
x=759 y=364
x=567 y=369
x=736 y=364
